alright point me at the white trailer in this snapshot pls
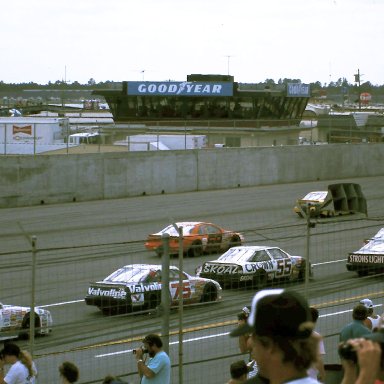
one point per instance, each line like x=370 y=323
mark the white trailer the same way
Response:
x=163 y=142
x=30 y=135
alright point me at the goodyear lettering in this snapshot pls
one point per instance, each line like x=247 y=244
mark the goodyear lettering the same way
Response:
x=367 y=259
x=115 y=293
x=220 y=269
x=141 y=288
x=184 y=87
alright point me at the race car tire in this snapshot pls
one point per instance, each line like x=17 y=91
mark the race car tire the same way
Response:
x=159 y=251
x=154 y=300
x=235 y=242
x=24 y=334
x=362 y=273
x=260 y=279
x=209 y=294
x=196 y=249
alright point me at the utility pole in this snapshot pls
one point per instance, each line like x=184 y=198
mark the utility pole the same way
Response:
x=357 y=80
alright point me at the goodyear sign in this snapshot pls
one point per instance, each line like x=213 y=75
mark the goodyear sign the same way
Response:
x=298 y=90
x=175 y=88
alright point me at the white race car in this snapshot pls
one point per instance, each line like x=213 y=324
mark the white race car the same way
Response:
x=253 y=265
x=15 y=321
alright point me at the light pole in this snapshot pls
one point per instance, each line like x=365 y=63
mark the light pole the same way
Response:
x=228 y=58
x=357 y=80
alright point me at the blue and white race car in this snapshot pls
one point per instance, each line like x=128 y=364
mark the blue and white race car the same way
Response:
x=253 y=265
x=138 y=287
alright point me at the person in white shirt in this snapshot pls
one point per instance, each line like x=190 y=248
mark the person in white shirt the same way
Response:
x=373 y=320
x=22 y=369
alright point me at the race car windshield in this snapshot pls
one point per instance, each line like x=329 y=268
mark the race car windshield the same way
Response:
x=237 y=254
x=316 y=196
x=171 y=230
x=129 y=274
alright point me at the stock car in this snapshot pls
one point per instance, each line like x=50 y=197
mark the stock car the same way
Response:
x=378 y=237
x=320 y=204
x=253 y=265
x=370 y=257
x=138 y=287
x=15 y=321
x=198 y=238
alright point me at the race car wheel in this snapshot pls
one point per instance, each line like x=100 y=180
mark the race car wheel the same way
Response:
x=209 y=294
x=153 y=301
x=196 y=249
x=235 y=242
x=24 y=334
x=260 y=279
x=159 y=251
x=362 y=273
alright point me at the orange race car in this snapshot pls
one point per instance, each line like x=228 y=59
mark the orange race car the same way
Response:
x=198 y=237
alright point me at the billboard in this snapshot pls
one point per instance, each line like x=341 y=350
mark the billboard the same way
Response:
x=177 y=88
x=298 y=90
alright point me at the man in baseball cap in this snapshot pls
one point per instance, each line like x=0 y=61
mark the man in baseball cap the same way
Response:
x=282 y=340
x=372 y=321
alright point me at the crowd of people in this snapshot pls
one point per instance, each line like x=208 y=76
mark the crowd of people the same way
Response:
x=277 y=331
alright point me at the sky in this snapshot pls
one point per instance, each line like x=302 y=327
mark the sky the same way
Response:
x=45 y=41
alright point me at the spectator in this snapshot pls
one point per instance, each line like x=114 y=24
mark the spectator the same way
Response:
x=239 y=371
x=356 y=328
x=158 y=367
x=243 y=341
x=373 y=320
x=369 y=365
x=69 y=372
x=282 y=340
x=22 y=369
x=317 y=370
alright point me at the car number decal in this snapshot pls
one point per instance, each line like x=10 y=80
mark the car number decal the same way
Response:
x=284 y=267
x=175 y=290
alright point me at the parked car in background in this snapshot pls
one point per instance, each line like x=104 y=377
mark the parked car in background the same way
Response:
x=138 y=286
x=198 y=238
x=15 y=321
x=253 y=265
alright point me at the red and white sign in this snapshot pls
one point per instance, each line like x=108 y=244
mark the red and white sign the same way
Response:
x=365 y=97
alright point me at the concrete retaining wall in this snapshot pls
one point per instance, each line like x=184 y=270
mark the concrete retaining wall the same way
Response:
x=27 y=180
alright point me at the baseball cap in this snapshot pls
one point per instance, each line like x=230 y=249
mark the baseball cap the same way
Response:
x=246 y=310
x=368 y=303
x=277 y=312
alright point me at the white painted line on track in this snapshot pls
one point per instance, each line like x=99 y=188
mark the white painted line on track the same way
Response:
x=57 y=304
x=172 y=343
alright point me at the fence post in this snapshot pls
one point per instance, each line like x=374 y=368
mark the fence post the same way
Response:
x=165 y=293
x=32 y=308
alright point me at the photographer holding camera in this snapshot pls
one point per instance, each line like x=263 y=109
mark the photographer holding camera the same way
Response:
x=244 y=346
x=157 y=368
x=363 y=359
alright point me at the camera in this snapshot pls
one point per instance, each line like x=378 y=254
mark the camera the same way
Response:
x=143 y=349
x=347 y=351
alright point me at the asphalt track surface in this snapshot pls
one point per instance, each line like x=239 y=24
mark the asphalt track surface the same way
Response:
x=82 y=242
